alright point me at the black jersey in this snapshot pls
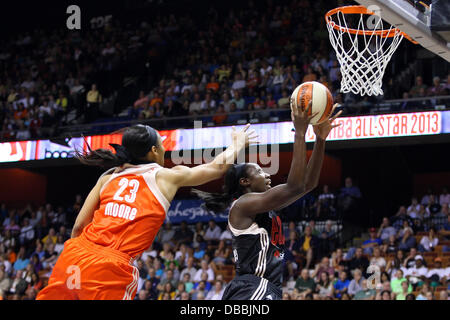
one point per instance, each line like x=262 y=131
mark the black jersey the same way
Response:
x=259 y=250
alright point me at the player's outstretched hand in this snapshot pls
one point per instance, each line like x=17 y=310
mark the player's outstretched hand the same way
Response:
x=323 y=129
x=244 y=136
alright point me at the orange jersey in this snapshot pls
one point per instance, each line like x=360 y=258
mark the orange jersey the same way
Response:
x=132 y=210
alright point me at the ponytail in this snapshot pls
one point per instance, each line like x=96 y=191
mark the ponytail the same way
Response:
x=219 y=202
x=216 y=202
x=137 y=141
x=103 y=157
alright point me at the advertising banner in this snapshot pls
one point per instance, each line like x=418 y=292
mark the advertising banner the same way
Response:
x=352 y=128
x=192 y=211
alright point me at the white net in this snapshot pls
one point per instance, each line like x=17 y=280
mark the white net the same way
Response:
x=363 y=53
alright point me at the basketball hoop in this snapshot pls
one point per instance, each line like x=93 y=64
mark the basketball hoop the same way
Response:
x=362 y=51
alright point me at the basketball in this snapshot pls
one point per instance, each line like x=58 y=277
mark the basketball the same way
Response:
x=322 y=100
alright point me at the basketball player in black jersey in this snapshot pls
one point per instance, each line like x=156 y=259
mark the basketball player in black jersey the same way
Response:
x=256 y=229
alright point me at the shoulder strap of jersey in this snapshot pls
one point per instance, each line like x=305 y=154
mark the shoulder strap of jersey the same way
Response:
x=150 y=178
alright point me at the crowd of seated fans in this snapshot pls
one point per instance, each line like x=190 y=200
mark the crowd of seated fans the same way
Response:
x=240 y=60
x=407 y=259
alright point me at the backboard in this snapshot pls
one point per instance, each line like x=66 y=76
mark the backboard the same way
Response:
x=431 y=28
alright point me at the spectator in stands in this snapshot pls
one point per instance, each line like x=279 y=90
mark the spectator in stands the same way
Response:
x=5 y=282
x=151 y=284
x=323 y=266
x=142 y=295
x=238 y=101
x=377 y=259
x=437 y=275
x=341 y=285
x=219 y=116
x=365 y=293
x=396 y=282
x=413 y=209
x=305 y=284
x=429 y=242
x=445 y=231
x=167 y=234
x=408 y=240
x=50 y=256
x=190 y=269
x=324 y=286
x=404 y=292
x=50 y=237
x=423 y=291
x=204 y=268
x=410 y=260
x=330 y=233
x=13 y=228
x=292 y=248
x=226 y=236
x=183 y=235
x=36 y=263
x=39 y=251
x=356 y=283
x=238 y=83
x=437 y=89
x=93 y=100
x=180 y=289
x=314 y=230
x=188 y=284
x=325 y=245
x=426 y=198
x=216 y=293
x=444 y=197
x=169 y=278
x=27 y=233
x=337 y=257
x=443 y=295
x=372 y=242
x=391 y=246
x=359 y=261
x=325 y=203
x=416 y=89
x=18 y=285
x=21 y=260
x=221 y=255
x=212 y=233
x=283 y=102
x=424 y=213
x=400 y=217
x=433 y=205
x=169 y=290
x=308 y=242
x=348 y=197
x=416 y=274
x=200 y=291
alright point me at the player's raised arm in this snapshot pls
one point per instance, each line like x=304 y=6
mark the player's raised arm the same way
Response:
x=302 y=178
x=170 y=180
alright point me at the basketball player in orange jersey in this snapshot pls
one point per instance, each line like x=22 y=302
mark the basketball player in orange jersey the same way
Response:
x=123 y=213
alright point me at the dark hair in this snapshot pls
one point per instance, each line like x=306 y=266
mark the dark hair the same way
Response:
x=137 y=141
x=384 y=291
x=232 y=189
x=410 y=296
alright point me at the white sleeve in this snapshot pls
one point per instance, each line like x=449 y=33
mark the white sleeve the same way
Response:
x=197 y=276
x=210 y=275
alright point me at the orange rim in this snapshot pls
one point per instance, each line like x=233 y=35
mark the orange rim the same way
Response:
x=361 y=10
